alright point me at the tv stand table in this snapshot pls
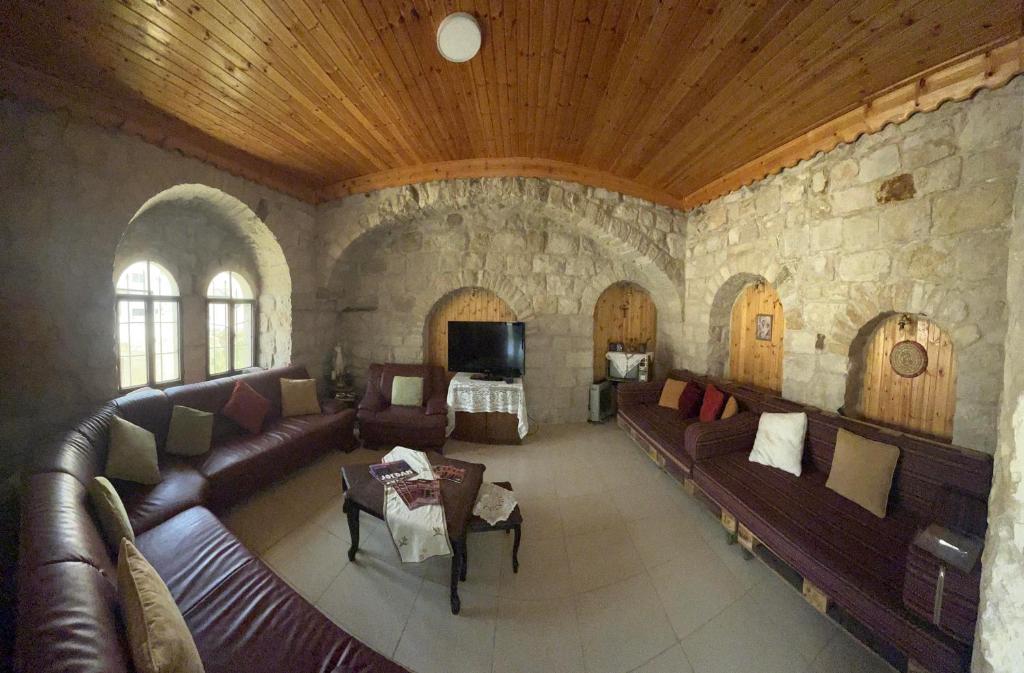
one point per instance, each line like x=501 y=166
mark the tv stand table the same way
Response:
x=488 y=412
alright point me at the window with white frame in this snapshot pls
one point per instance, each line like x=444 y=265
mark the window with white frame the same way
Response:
x=231 y=311
x=148 y=326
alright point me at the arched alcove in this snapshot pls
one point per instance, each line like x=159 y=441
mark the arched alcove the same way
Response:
x=470 y=304
x=925 y=402
x=757 y=329
x=196 y=232
x=624 y=313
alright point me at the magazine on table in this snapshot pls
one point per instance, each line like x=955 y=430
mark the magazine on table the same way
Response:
x=389 y=473
x=418 y=493
x=450 y=472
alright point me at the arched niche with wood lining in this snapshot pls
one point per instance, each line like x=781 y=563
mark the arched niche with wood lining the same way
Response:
x=473 y=304
x=624 y=313
x=922 y=402
x=757 y=329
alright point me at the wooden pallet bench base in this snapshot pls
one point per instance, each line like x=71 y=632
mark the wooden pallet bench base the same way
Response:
x=816 y=597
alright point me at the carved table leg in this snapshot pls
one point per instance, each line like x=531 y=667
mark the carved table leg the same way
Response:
x=515 y=549
x=457 y=546
x=352 y=513
x=465 y=561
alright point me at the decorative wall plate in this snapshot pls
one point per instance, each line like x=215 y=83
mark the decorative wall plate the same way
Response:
x=908 y=359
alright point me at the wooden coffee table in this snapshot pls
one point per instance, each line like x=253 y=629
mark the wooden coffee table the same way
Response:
x=363 y=493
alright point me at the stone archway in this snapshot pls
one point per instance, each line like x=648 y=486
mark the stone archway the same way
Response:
x=720 y=318
x=262 y=260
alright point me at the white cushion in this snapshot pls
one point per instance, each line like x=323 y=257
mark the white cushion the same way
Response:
x=780 y=441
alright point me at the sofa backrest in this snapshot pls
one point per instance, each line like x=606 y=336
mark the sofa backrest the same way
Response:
x=383 y=375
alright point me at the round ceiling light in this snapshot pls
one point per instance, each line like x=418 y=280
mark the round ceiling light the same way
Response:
x=458 y=37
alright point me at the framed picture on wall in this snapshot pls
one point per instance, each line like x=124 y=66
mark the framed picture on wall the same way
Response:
x=763 y=327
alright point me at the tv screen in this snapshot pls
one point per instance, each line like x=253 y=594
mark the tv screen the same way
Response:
x=495 y=348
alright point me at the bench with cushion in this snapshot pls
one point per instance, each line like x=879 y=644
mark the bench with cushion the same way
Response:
x=240 y=614
x=847 y=554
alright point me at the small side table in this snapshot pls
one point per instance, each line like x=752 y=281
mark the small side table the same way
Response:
x=513 y=523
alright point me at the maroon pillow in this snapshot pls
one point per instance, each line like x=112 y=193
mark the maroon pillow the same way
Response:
x=689 y=400
x=714 y=402
x=247 y=407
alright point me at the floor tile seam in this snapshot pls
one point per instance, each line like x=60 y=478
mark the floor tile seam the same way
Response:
x=649 y=660
x=408 y=617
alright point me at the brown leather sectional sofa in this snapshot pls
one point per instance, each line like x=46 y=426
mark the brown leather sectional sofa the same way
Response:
x=846 y=556
x=241 y=615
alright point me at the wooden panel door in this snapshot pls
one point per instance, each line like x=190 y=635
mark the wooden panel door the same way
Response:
x=755 y=360
x=466 y=304
x=624 y=313
x=925 y=403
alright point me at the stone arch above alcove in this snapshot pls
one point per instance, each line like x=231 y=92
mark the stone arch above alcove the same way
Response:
x=198 y=231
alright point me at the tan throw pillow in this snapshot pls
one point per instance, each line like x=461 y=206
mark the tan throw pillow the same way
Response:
x=132 y=453
x=670 y=393
x=862 y=471
x=407 y=391
x=298 y=397
x=732 y=408
x=157 y=634
x=110 y=511
x=191 y=431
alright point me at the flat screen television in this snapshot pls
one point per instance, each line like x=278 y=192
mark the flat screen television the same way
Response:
x=495 y=349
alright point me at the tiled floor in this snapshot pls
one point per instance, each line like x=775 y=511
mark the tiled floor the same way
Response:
x=620 y=571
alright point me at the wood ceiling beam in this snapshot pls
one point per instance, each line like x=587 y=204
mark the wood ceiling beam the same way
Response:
x=503 y=167
x=954 y=81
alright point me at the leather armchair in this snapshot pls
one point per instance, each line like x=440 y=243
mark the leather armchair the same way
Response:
x=381 y=423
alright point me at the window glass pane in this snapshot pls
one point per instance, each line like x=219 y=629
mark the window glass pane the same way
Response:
x=218 y=335
x=166 y=349
x=132 y=346
x=160 y=281
x=134 y=280
x=240 y=287
x=243 y=336
x=220 y=286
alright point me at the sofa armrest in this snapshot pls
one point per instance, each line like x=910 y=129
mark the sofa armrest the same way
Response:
x=437 y=405
x=639 y=393
x=704 y=440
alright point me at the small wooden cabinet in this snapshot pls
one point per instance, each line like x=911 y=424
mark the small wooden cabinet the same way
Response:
x=486 y=428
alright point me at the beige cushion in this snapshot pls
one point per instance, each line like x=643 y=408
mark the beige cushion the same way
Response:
x=298 y=397
x=731 y=408
x=132 y=454
x=190 y=433
x=862 y=471
x=110 y=511
x=407 y=391
x=158 y=637
x=670 y=393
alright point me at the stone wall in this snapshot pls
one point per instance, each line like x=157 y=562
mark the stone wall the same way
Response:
x=1000 y=637
x=68 y=191
x=914 y=219
x=549 y=273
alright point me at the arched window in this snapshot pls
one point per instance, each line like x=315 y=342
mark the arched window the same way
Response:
x=232 y=335
x=148 y=326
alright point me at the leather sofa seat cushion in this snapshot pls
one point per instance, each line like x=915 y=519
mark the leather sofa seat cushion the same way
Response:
x=238 y=466
x=242 y=616
x=182 y=487
x=842 y=545
x=405 y=418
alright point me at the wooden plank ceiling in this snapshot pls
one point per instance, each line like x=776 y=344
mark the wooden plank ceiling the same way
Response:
x=323 y=97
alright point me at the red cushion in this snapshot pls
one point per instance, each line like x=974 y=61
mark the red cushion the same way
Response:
x=247 y=407
x=689 y=400
x=714 y=403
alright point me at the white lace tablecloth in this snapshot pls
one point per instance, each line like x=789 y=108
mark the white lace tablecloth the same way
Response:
x=465 y=394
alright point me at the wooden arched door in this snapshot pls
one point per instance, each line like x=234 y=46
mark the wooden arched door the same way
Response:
x=464 y=304
x=925 y=402
x=756 y=333
x=624 y=313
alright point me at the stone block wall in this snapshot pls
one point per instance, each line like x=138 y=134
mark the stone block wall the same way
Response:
x=68 y=191
x=914 y=219
x=549 y=274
